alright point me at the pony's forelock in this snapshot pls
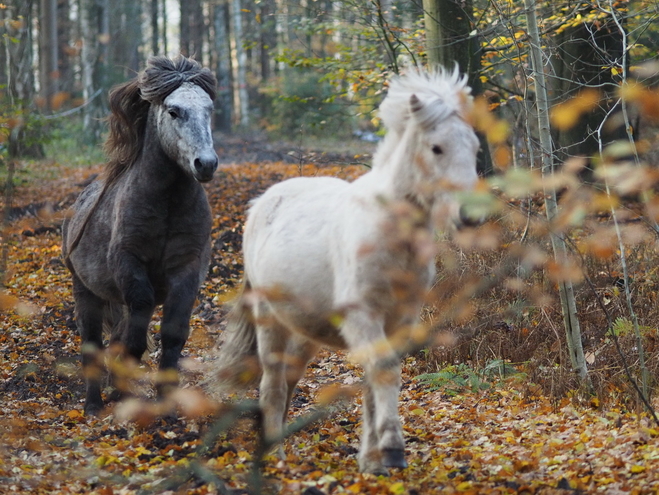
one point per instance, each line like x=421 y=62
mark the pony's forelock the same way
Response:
x=440 y=91
x=163 y=76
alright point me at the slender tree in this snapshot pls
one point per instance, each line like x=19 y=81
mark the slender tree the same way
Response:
x=49 y=54
x=17 y=40
x=155 y=32
x=565 y=288
x=66 y=53
x=240 y=87
x=184 y=40
x=93 y=58
x=268 y=37
x=224 y=100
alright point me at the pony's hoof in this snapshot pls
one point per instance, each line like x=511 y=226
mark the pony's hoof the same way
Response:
x=373 y=467
x=116 y=395
x=394 y=458
x=93 y=409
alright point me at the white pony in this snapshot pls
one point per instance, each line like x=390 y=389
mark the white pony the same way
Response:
x=348 y=265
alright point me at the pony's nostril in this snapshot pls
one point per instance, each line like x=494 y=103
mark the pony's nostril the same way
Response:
x=205 y=166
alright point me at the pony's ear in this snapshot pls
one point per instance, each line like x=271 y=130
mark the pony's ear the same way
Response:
x=415 y=104
x=421 y=112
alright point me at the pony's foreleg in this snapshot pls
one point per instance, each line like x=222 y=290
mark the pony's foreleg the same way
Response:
x=175 y=327
x=382 y=443
x=89 y=319
x=139 y=296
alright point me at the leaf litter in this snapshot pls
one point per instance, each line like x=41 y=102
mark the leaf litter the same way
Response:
x=504 y=439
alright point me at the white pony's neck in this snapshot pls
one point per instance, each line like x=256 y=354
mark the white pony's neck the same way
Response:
x=392 y=164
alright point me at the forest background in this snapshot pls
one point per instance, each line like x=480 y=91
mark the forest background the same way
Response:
x=554 y=296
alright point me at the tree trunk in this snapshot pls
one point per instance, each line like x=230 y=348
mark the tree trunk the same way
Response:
x=240 y=64
x=65 y=57
x=565 y=288
x=165 y=48
x=449 y=41
x=48 y=54
x=434 y=41
x=197 y=29
x=585 y=54
x=185 y=41
x=125 y=39
x=23 y=141
x=90 y=67
x=268 y=39
x=224 y=101
x=155 y=32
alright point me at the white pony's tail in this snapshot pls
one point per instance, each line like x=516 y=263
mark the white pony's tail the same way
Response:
x=237 y=364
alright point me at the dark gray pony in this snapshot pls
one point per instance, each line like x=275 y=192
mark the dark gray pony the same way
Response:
x=140 y=235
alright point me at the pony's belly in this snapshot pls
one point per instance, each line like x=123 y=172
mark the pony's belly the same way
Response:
x=303 y=321
x=320 y=329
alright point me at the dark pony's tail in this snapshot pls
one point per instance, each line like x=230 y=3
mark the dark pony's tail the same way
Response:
x=236 y=365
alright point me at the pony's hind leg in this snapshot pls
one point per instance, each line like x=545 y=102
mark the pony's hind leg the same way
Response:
x=284 y=357
x=298 y=354
x=272 y=341
x=89 y=319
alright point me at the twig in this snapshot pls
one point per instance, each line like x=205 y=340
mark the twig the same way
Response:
x=71 y=111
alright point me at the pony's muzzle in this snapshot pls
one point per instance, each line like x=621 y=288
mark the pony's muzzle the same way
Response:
x=467 y=218
x=205 y=166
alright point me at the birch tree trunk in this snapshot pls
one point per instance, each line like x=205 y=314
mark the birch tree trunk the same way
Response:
x=18 y=43
x=565 y=288
x=431 y=15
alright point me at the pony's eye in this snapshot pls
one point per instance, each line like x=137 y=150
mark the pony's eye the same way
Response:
x=173 y=114
x=437 y=150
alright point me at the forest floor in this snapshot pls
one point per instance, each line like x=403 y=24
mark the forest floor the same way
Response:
x=508 y=438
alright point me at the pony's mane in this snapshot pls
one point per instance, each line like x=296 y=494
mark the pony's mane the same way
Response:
x=129 y=105
x=440 y=91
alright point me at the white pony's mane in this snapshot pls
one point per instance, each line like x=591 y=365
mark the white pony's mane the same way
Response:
x=442 y=93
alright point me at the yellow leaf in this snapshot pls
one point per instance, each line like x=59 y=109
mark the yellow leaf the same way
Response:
x=397 y=488
x=464 y=486
x=355 y=488
x=567 y=114
x=74 y=414
x=636 y=468
x=498 y=132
